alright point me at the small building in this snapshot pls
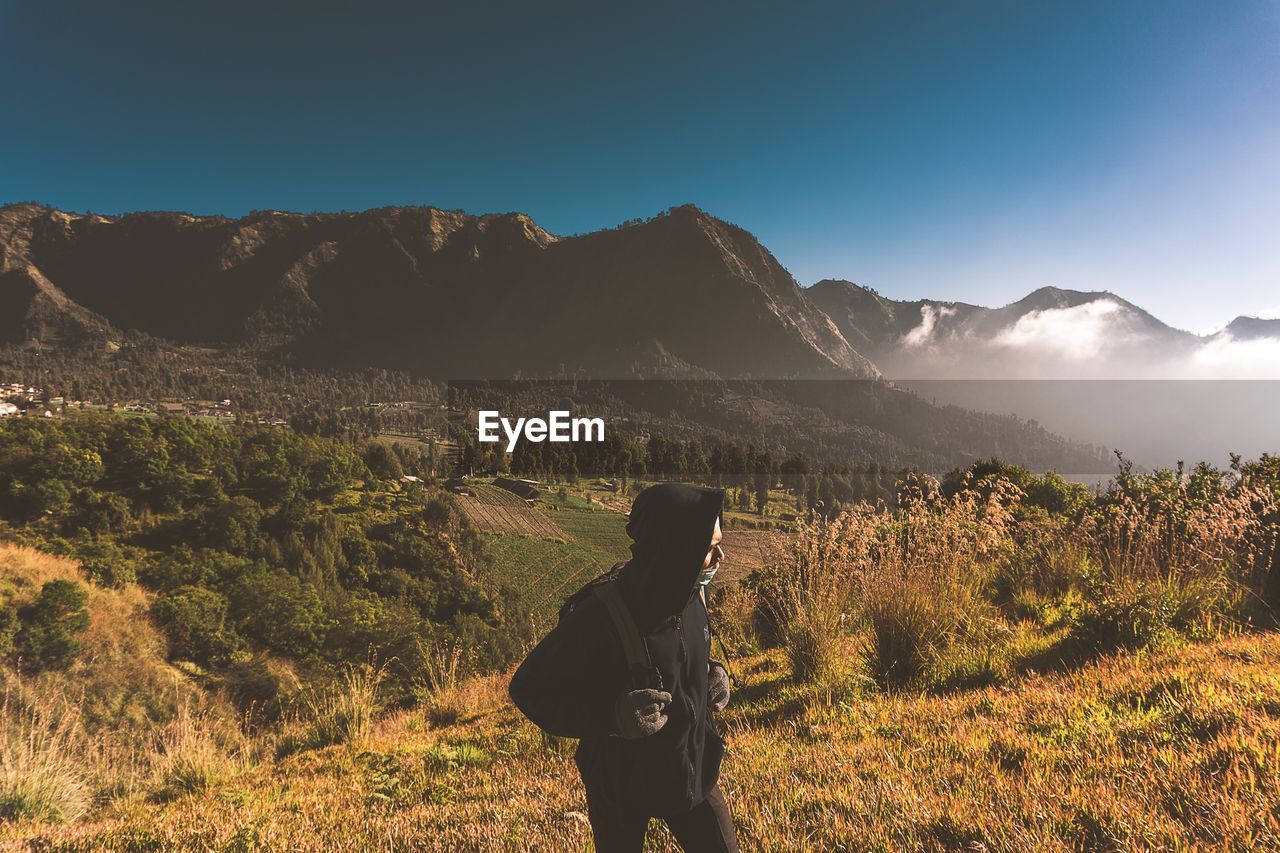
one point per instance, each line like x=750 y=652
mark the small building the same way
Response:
x=527 y=489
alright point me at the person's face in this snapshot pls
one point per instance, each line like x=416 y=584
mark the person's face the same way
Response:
x=714 y=553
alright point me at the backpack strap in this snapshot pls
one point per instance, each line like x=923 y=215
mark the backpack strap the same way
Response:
x=639 y=663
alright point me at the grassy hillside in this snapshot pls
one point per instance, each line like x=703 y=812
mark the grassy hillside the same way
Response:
x=120 y=678
x=256 y=544
x=118 y=721
x=999 y=662
x=1177 y=748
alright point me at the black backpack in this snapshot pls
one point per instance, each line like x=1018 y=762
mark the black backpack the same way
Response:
x=641 y=671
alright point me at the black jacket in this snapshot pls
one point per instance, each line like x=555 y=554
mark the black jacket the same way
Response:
x=570 y=681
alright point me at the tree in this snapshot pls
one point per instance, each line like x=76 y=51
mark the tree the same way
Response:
x=46 y=638
x=194 y=620
x=382 y=461
x=762 y=492
x=8 y=627
x=280 y=611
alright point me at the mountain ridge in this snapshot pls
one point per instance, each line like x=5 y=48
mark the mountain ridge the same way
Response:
x=422 y=289
x=1051 y=332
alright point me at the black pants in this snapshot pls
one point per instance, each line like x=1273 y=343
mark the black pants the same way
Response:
x=706 y=828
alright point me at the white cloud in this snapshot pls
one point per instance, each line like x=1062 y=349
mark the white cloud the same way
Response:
x=1224 y=357
x=929 y=316
x=1100 y=339
x=1078 y=333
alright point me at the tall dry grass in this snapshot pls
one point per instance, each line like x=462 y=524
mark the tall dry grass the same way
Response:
x=42 y=776
x=927 y=585
x=809 y=594
x=340 y=713
x=1168 y=559
x=914 y=578
x=195 y=750
x=444 y=664
x=929 y=578
x=119 y=721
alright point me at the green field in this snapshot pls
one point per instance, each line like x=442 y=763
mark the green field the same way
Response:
x=547 y=570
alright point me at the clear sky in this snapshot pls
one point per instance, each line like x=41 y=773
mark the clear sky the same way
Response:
x=957 y=150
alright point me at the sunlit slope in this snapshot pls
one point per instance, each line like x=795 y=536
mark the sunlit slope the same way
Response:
x=1179 y=749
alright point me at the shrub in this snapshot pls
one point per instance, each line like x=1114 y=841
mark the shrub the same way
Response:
x=49 y=625
x=194 y=620
x=1127 y=614
x=104 y=562
x=8 y=627
x=104 y=512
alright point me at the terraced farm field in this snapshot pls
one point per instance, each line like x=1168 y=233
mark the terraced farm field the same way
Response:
x=495 y=510
x=547 y=570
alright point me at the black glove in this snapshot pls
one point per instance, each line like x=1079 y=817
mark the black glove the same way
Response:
x=639 y=713
x=717 y=686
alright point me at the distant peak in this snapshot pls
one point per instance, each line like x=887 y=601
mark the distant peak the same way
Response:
x=1247 y=327
x=1059 y=297
x=687 y=210
x=840 y=284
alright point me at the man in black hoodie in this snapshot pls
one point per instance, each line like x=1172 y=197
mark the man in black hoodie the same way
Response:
x=645 y=750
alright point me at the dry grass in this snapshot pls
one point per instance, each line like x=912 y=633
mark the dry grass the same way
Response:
x=195 y=751
x=438 y=693
x=1014 y=743
x=938 y=584
x=121 y=677
x=1174 y=749
x=916 y=577
x=809 y=594
x=119 y=722
x=1161 y=561
x=339 y=713
x=41 y=777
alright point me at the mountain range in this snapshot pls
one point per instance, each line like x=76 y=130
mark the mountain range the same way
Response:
x=421 y=289
x=448 y=294
x=1049 y=334
x=442 y=295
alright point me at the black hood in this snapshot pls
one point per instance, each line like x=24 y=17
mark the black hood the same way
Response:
x=671 y=526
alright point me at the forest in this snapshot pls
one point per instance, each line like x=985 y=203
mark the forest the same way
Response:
x=255 y=542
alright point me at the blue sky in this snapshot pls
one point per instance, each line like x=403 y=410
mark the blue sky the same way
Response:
x=958 y=150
